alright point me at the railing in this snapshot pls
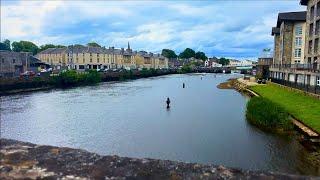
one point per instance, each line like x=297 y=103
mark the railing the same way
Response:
x=296 y=85
x=315 y=67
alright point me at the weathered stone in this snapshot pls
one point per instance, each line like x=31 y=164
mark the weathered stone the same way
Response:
x=25 y=160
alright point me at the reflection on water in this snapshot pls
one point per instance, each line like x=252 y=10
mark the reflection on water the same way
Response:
x=204 y=124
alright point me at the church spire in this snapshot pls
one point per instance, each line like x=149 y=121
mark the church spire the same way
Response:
x=128 y=45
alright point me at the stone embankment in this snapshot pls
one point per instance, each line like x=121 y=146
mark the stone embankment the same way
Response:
x=21 y=160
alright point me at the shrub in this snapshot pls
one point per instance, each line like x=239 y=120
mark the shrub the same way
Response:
x=267 y=114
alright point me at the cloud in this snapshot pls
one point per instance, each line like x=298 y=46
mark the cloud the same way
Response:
x=221 y=28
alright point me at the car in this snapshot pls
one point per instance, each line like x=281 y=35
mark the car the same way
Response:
x=27 y=74
x=259 y=81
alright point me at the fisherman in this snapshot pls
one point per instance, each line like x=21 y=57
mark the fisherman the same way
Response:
x=183 y=85
x=168 y=103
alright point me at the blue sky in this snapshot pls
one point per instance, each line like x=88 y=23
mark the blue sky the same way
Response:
x=236 y=29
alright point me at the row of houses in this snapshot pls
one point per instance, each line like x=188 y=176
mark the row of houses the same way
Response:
x=296 y=46
x=87 y=57
x=214 y=62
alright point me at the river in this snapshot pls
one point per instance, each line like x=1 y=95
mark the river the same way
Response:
x=204 y=124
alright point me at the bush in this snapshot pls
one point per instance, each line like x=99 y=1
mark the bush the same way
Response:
x=72 y=78
x=185 y=69
x=267 y=114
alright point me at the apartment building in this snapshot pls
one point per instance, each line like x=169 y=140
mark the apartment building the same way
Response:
x=87 y=57
x=313 y=30
x=289 y=38
x=296 y=48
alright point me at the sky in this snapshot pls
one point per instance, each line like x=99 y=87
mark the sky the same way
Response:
x=236 y=29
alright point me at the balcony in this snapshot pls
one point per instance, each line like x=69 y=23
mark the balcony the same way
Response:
x=315 y=67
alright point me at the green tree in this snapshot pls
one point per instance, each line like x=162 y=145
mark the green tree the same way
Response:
x=47 y=46
x=25 y=46
x=5 y=45
x=201 y=55
x=224 y=61
x=93 y=44
x=187 y=53
x=168 y=53
x=8 y=43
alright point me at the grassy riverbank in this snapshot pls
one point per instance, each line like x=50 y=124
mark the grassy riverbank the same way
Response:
x=300 y=106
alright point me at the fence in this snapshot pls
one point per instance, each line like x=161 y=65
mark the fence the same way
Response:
x=315 y=67
x=300 y=86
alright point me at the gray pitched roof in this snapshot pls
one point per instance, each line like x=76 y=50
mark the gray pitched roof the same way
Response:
x=291 y=16
x=304 y=2
x=275 y=30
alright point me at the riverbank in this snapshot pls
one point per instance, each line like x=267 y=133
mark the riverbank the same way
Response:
x=10 y=86
x=67 y=79
x=27 y=160
x=300 y=106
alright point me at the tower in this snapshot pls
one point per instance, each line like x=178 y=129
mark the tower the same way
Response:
x=128 y=46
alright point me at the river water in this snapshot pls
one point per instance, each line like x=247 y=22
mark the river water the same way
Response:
x=204 y=124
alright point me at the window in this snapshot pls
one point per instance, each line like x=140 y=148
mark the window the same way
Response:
x=2 y=60
x=317 y=28
x=318 y=80
x=318 y=9
x=311 y=30
x=310 y=47
x=298 y=41
x=297 y=53
x=312 y=13
x=298 y=30
x=13 y=61
x=90 y=59
x=316 y=45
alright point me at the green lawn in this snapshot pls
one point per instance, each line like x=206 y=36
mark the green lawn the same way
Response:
x=300 y=106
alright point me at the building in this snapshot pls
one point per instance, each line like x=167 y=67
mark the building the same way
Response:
x=289 y=37
x=86 y=57
x=246 y=63
x=234 y=63
x=211 y=63
x=263 y=67
x=13 y=63
x=296 y=48
x=312 y=30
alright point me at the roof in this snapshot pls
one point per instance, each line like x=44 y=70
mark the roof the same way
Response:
x=304 y=2
x=275 y=30
x=291 y=16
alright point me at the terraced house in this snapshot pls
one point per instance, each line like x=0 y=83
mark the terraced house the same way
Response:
x=296 y=48
x=87 y=57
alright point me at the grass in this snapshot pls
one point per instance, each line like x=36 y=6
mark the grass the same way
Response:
x=268 y=115
x=300 y=106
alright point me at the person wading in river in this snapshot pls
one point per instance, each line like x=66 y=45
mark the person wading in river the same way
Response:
x=168 y=103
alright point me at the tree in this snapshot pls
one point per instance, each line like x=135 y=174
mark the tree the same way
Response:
x=201 y=55
x=47 y=46
x=224 y=61
x=168 y=53
x=93 y=44
x=25 y=46
x=187 y=53
x=5 y=45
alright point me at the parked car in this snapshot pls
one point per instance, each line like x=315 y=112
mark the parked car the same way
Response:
x=27 y=74
x=259 y=81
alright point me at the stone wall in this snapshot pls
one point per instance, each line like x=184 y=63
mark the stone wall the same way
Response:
x=20 y=160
